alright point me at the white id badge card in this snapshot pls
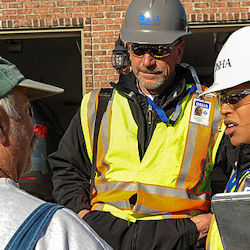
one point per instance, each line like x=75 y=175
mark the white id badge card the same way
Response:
x=200 y=112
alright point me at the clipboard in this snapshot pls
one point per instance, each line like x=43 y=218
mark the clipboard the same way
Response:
x=232 y=213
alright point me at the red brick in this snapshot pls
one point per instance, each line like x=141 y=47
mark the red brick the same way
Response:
x=98 y=27
x=64 y=3
x=9 y=12
x=55 y=22
x=32 y=17
x=32 y=5
x=80 y=3
x=16 y=17
x=240 y=10
x=108 y=2
x=106 y=21
x=3 y=6
x=42 y=23
x=104 y=34
x=246 y=3
x=56 y=10
x=113 y=15
x=233 y=4
x=15 y=5
x=48 y=4
x=201 y=5
x=99 y=53
x=95 y=2
x=8 y=1
x=112 y=27
x=105 y=9
x=96 y=15
x=120 y=8
x=22 y=22
x=24 y=11
x=16 y=23
x=89 y=9
x=107 y=46
x=64 y=16
x=36 y=23
x=107 y=71
x=73 y=9
x=41 y=11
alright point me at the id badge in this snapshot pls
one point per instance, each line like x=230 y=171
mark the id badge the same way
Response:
x=200 y=112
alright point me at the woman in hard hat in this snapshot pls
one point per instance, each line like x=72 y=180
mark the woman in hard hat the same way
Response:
x=232 y=85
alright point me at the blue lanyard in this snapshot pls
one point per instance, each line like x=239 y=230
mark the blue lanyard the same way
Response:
x=161 y=113
x=235 y=182
x=232 y=182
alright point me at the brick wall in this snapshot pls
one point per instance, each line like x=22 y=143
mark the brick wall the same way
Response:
x=101 y=20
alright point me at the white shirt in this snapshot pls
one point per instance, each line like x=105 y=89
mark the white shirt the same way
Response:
x=65 y=230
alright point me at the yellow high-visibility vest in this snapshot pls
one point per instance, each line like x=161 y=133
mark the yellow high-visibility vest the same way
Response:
x=173 y=178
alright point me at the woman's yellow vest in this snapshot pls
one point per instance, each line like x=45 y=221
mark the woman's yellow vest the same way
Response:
x=173 y=178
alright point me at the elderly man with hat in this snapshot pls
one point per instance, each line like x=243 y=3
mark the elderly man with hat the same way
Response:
x=17 y=208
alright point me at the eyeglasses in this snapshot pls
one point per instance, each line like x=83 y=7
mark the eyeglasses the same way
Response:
x=232 y=98
x=156 y=51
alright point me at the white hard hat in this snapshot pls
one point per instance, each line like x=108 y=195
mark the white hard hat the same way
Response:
x=232 y=66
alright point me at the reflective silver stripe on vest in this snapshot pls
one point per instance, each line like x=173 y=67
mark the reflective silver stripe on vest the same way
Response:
x=116 y=186
x=99 y=206
x=104 y=133
x=217 y=119
x=192 y=133
x=124 y=204
x=102 y=177
x=92 y=112
x=208 y=245
x=165 y=215
x=194 y=75
x=148 y=210
x=172 y=192
x=187 y=212
x=163 y=191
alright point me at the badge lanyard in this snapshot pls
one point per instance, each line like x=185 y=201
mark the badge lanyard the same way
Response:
x=235 y=182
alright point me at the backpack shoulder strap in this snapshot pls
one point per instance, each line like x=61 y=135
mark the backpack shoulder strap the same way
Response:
x=32 y=228
x=104 y=97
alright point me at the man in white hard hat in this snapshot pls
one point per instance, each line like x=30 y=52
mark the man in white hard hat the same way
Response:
x=232 y=85
x=17 y=138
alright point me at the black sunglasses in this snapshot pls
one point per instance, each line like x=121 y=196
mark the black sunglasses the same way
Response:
x=232 y=98
x=157 y=51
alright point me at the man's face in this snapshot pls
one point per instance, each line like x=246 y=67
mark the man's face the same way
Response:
x=22 y=137
x=156 y=74
x=198 y=111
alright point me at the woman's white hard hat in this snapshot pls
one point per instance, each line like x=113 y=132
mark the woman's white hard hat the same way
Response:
x=232 y=66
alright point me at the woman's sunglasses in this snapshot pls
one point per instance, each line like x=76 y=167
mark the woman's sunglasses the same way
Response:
x=156 y=51
x=232 y=98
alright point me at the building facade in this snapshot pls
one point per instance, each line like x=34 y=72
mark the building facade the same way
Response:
x=96 y=24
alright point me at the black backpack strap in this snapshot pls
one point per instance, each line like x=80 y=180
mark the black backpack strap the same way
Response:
x=104 y=97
